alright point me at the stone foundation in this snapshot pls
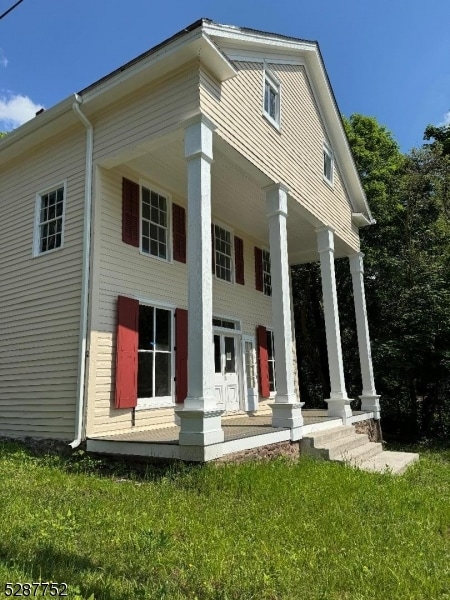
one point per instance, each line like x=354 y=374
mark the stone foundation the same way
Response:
x=290 y=450
x=371 y=427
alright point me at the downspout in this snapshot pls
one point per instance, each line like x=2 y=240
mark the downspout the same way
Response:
x=81 y=384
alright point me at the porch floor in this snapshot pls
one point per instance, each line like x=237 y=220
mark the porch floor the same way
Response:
x=240 y=432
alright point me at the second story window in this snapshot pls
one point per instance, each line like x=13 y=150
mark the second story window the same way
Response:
x=223 y=253
x=267 y=277
x=328 y=163
x=154 y=224
x=49 y=220
x=272 y=99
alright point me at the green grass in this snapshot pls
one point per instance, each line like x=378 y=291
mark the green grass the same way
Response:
x=263 y=531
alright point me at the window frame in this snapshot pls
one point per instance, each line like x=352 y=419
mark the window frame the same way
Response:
x=264 y=272
x=169 y=240
x=269 y=331
x=270 y=79
x=159 y=401
x=232 y=256
x=328 y=153
x=37 y=218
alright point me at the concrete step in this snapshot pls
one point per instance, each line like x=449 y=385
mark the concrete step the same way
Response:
x=362 y=453
x=345 y=445
x=395 y=462
x=320 y=439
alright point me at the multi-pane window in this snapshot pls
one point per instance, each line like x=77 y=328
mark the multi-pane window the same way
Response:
x=154 y=354
x=50 y=220
x=267 y=277
x=272 y=99
x=271 y=360
x=328 y=164
x=223 y=253
x=154 y=223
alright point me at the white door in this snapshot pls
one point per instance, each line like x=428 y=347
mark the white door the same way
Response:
x=226 y=361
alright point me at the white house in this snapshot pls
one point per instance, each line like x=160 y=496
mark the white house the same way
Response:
x=149 y=223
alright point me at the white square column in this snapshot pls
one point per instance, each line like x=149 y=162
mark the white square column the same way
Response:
x=370 y=400
x=286 y=411
x=200 y=419
x=338 y=403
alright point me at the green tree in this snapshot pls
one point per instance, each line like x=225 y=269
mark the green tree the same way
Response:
x=2 y=134
x=440 y=135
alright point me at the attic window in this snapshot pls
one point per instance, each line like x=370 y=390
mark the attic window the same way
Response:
x=328 y=164
x=272 y=99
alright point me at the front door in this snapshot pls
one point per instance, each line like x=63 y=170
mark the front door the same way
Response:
x=226 y=371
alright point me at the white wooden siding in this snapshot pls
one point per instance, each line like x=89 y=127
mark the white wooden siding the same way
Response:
x=40 y=297
x=121 y=270
x=295 y=154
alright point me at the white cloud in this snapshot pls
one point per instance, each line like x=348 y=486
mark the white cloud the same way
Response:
x=3 y=59
x=446 y=120
x=15 y=110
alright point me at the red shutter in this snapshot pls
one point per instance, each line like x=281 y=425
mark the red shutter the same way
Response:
x=179 y=233
x=213 y=253
x=130 y=212
x=181 y=347
x=239 y=260
x=127 y=352
x=263 y=362
x=258 y=269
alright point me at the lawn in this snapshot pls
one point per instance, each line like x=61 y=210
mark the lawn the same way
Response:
x=263 y=531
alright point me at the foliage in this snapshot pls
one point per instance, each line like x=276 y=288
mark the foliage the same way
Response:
x=407 y=277
x=271 y=530
x=440 y=135
x=2 y=134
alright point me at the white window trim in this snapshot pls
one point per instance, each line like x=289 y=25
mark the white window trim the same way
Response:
x=37 y=222
x=168 y=196
x=164 y=401
x=233 y=270
x=329 y=152
x=276 y=84
x=262 y=267
x=273 y=393
x=238 y=322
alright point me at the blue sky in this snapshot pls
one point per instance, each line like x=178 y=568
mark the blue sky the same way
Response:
x=386 y=58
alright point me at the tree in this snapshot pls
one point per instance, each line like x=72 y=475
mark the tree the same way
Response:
x=2 y=134
x=440 y=135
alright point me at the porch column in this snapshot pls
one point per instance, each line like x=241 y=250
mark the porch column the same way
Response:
x=286 y=411
x=338 y=403
x=370 y=400
x=200 y=420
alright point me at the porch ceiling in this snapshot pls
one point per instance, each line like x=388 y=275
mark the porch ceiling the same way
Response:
x=238 y=197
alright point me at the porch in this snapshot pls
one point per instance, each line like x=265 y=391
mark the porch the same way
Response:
x=241 y=433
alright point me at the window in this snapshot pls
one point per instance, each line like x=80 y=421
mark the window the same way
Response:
x=223 y=253
x=272 y=99
x=49 y=220
x=271 y=360
x=154 y=223
x=154 y=356
x=328 y=164
x=267 y=278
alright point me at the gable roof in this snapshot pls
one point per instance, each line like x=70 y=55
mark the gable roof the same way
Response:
x=216 y=45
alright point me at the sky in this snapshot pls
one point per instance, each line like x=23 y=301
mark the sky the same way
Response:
x=385 y=58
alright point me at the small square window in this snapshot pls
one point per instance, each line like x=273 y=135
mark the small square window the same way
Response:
x=272 y=99
x=49 y=221
x=328 y=164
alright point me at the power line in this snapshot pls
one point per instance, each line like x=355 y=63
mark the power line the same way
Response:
x=10 y=9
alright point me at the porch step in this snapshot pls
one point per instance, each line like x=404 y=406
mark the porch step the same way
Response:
x=343 y=444
x=395 y=462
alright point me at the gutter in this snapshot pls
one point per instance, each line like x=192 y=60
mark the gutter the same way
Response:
x=82 y=355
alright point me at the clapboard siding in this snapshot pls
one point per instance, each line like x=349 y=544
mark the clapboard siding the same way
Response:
x=40 y=297
x=149 y=112
x=121 y=270
x=293 y=155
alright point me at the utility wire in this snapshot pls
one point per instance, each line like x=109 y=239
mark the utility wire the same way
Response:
x=10 y=9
